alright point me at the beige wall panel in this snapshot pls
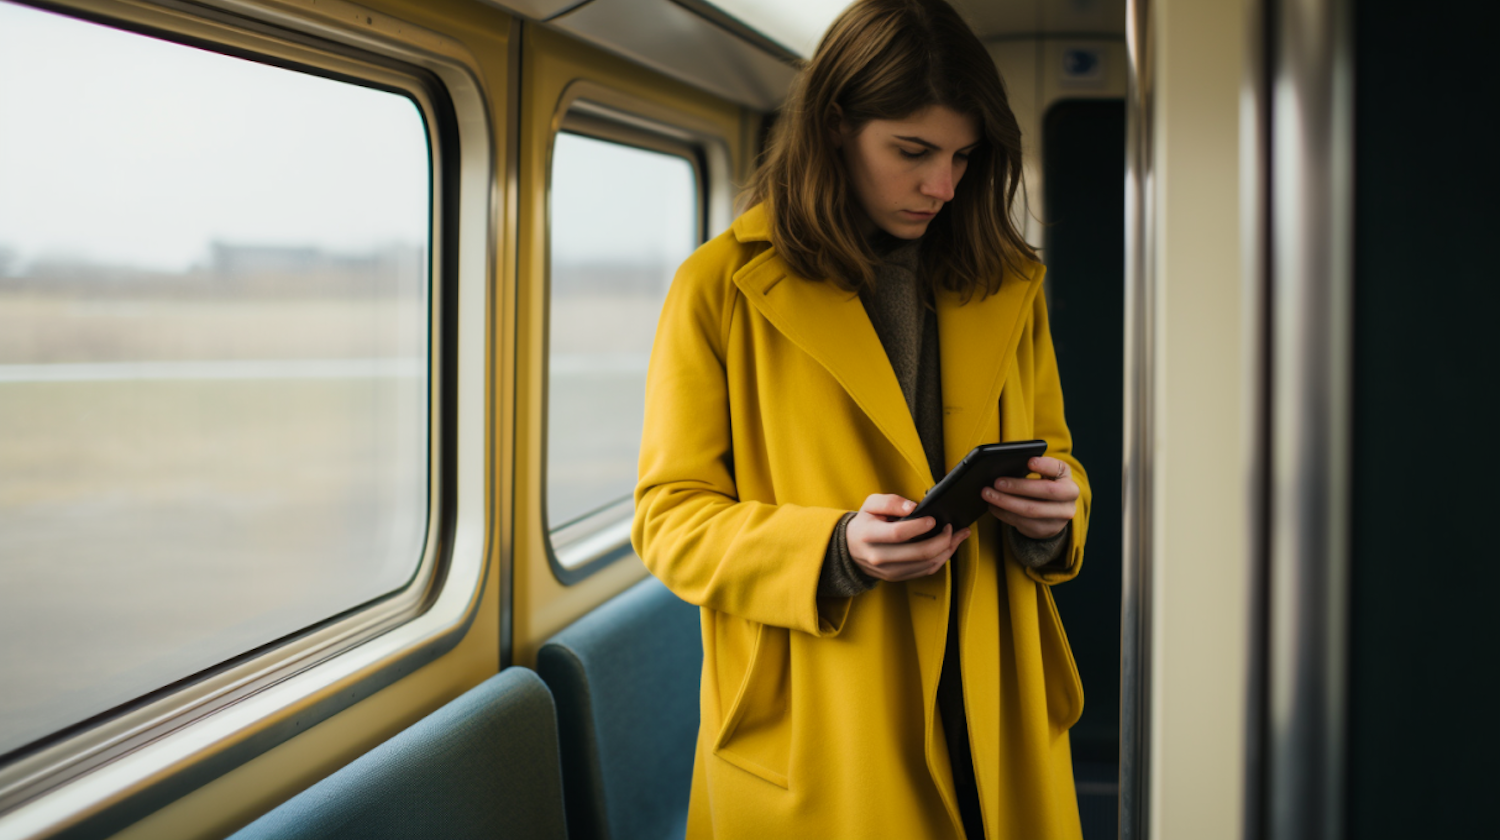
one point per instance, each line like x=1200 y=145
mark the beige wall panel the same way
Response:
x=1110 y=84
x=1200 y=554
x=1017 y=62
x=552 y=62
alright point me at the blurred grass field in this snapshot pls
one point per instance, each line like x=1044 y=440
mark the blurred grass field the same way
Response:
x=596 y=399
x=43 y=328
x=152 y=528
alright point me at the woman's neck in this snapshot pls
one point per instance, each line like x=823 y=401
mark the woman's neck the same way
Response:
x=884 y=243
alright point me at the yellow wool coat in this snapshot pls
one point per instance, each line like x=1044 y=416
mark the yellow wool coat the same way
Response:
x=771 y=410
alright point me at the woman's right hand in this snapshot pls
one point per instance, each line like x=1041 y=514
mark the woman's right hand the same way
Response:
x=879 y=544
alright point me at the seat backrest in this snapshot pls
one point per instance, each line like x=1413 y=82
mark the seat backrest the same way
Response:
x=484 y=766
x=625 y=679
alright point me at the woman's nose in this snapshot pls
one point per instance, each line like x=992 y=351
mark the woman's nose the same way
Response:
x=939 y=184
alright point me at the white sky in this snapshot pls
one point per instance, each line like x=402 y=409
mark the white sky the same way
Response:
x=120 y=148
x=620 y=204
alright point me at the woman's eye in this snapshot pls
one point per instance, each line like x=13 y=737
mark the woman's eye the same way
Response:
x=912 y=155
x=961 y=157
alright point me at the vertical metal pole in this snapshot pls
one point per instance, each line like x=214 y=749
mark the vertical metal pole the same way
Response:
x=1311 y=147
x=1255 y=191
x=1140 y=360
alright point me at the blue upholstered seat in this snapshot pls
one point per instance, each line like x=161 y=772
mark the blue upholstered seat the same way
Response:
x=625 y=678
x=484 y=766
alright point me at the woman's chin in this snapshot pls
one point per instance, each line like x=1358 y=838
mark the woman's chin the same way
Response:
x=905 y=229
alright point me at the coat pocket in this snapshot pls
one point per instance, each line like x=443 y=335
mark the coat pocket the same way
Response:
x=1064 y=688
x=756 y=734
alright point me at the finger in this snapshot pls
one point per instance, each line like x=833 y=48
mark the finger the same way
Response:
x=952 y=548
x=895 y=572
x=1030 y=508
x=1037 y=529
x=888 y=569
x=1054 y=469
x=901 y=532
x=902 y=552
x=1005 y=516
x=936 y=564
x=888 y=504
x=920 y=570
x=917 y=570
x=1038 y=488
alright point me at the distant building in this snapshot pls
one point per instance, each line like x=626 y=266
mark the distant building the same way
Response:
x=232 y=269
x=306 y=269
x=234 y=262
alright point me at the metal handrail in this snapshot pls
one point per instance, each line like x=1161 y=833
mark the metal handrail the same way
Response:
x=1310 y=282
x=1141 y=300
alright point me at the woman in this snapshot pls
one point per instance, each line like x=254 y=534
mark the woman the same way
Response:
x=816 y=369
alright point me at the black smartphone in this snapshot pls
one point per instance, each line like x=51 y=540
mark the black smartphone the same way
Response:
x=956 y=501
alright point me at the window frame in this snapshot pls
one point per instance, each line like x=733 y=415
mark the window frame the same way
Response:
x=602 y=536
x=186 y=733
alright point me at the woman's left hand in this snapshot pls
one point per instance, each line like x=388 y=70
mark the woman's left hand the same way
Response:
x=1037 y=507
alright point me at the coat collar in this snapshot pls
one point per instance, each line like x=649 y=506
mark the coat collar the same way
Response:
x=976 y=342
x=753 y=225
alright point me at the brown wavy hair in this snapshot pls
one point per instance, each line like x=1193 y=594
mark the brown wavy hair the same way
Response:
x=888 y=60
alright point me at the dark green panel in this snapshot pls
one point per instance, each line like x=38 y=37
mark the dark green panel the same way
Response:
x=1084 y=160
x=1422 y=726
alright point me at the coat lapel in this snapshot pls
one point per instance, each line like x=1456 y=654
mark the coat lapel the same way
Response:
x=830 y=325
x=977 y=343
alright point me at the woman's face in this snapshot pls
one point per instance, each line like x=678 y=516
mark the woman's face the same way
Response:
x=904 y=171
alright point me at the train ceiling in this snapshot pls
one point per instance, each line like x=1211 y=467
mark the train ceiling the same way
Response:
x=746 y=50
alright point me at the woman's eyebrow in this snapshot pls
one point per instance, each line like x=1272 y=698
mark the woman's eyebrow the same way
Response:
x=933 y=146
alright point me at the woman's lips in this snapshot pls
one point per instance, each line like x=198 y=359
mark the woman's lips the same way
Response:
x=918 y=216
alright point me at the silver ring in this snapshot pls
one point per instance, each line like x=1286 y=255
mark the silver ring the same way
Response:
x=1062 y=472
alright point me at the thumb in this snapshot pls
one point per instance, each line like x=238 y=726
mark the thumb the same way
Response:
x=888 y=504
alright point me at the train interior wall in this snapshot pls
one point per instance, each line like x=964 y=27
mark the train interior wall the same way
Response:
x=1199 y=404
x=1068 y=97
x=1068 y=94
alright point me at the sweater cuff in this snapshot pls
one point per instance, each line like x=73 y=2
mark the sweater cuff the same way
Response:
x=1037 y=554
x=841 y=576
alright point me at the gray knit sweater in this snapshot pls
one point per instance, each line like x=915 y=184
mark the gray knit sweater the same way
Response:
x=907 y=327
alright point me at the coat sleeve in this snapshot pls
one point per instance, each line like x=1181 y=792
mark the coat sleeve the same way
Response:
x=747 y=558
x=1053 y=428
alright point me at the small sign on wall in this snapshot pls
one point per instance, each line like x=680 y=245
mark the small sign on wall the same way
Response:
x=1083 y=66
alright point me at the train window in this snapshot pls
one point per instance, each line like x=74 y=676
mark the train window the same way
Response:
x=622 y=218
x=214 y=360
